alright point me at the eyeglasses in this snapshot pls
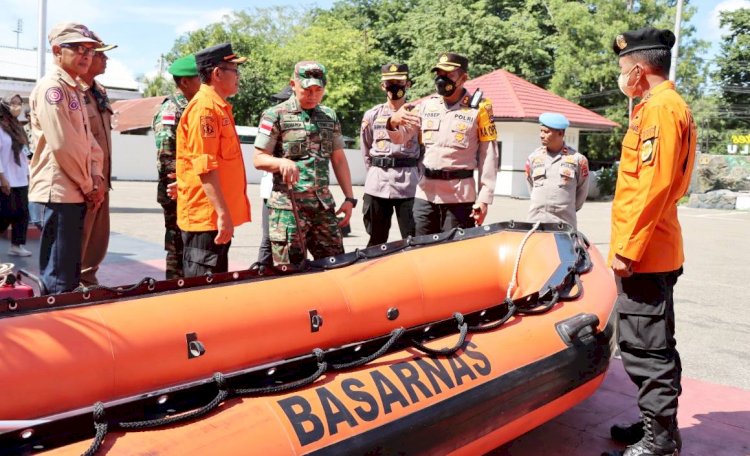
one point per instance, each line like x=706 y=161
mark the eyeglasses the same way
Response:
x=233 y=70
x=79 y=49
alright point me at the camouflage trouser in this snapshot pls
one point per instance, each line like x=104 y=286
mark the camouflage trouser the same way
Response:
x=172 y=241
x=320 y=232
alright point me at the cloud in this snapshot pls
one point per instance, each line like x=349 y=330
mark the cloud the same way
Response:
x=207 y=17
x=714 y=31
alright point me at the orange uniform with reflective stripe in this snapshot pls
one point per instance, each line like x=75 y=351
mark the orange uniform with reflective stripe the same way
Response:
x=657 y=158
x=207 y=141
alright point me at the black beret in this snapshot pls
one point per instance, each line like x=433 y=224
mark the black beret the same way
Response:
x=643 y=39
x=214 y=55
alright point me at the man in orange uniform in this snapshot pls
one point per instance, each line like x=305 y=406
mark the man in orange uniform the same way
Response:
x=645 y=249
x=211 y=184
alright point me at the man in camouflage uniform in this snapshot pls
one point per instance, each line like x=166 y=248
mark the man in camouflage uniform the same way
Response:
x=185 y=74
x=392 y=169
x=458 y=132
x=296 y=141
x=556 y=174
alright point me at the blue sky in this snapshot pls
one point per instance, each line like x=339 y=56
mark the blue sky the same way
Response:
x=144 y=29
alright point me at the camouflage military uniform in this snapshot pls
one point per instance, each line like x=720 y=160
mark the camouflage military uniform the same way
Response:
x=308 y=137
x=165 y=127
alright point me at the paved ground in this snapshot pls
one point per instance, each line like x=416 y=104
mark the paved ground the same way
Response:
x=713 y=315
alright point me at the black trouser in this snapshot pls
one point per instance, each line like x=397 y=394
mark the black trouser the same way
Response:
x=18 y=205
x=431 y=218
x=202 y=255
x=172 y=241
x=264 y=252
x=377 y=213
x=646 y=328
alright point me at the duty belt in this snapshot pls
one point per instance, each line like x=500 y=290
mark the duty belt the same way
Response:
x=391 y=162
x=448 y=174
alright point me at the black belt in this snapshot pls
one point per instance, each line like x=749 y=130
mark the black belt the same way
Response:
x=391 y=162
x=448 y=174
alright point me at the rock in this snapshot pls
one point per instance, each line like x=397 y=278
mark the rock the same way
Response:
x=715 y=172
x=717 y=199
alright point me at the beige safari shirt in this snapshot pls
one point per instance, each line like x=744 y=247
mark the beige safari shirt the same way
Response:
x=100 y=120
x=558 y=185
x=66 y=154
x=456 y=137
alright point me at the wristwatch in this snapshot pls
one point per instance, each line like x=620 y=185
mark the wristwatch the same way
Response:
x=352 y=200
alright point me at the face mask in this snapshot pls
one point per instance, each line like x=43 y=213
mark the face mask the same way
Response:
x=395 y=91
x=445 y=86
x=622 y=83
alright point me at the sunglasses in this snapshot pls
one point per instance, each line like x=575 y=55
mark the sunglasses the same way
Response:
x=313 y=73
x=79 y=49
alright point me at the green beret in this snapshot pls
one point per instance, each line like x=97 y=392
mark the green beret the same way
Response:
x=184 y=67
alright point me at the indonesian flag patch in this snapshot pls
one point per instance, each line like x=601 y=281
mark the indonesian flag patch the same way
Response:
x=266 y=126
x=168 y=118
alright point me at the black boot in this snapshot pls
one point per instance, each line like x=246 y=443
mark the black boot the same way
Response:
x=627 y=433
x=660 y=438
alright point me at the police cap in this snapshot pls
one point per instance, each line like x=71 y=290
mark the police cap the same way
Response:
x=214 y=55
x=643 y=39
x=102 y=47
x=184 y=67
x=391 y=71
x=554 y=120
x=449 y=61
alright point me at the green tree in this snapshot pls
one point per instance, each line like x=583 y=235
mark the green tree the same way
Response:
x=157 y=86
x=733 y=63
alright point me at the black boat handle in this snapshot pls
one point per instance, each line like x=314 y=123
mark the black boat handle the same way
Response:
x=575 y=328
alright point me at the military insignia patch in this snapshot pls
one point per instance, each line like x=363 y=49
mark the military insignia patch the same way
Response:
x=462 y=127
x=208 y=127
x=381 y=144
x=647 y=151
x=266 y=127
x=427 y=135
x=621 y=43
x=168 y=117
x=460 y=136
x=429 y=124
x=393 y=68
x=443 y=58
x=74 y=104
x=53 y=95
x=225 y=121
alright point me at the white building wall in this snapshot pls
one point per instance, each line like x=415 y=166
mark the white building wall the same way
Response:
x=518 y=140
x=134 y=158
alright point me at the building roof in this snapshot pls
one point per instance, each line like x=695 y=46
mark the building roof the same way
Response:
x=514 y=98
x=18 y=71
x=135 y=114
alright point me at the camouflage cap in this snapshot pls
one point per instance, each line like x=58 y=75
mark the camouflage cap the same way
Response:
x=391 y=71
x=310 y=73
x=184 y=67
x=643 y=39
x=448 y=61
x=102 y=47
x=70 y=32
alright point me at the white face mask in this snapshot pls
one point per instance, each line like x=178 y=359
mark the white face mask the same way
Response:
x=622 y=83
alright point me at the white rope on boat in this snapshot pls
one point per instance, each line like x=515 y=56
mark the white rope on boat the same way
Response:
x=514 y=276
x=5 y=270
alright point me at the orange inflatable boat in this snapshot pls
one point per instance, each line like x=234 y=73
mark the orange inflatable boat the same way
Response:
x=447 y=344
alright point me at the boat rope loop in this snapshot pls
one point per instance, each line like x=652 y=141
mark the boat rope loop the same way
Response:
x=498 y=323
x=221 y=396
x=100 y=424
x=463 y=329
x=119 y=290
x=514 y=276
x=322 y=368
x=395 y=336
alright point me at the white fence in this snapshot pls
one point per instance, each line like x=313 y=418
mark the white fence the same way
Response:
x=134 y=158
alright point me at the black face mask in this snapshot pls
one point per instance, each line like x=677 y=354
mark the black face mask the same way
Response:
x=445 y=85
x=395 y=91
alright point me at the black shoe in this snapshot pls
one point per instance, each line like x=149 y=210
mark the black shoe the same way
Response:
x=627 y=434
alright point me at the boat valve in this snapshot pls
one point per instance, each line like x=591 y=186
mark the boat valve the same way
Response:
x=392 y=313
x=195 y=348
x=316 y=321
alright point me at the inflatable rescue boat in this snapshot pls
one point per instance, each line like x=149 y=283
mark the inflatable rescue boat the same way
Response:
x=448 y=344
